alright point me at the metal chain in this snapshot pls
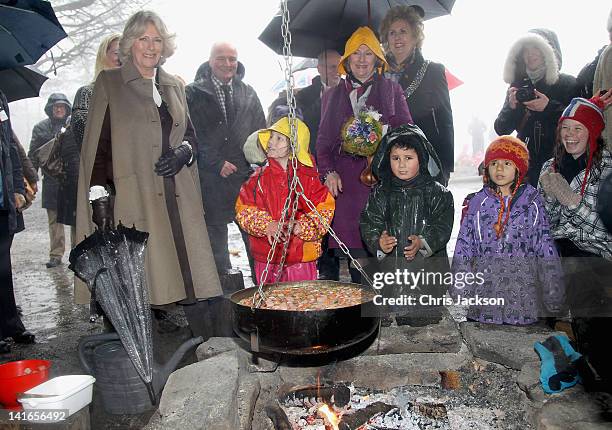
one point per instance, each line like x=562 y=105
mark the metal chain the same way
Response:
x=288 y=56
x=296 y=190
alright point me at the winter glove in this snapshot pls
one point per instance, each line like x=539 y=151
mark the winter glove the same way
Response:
x=173 y=160
x=563 y=192
x=546 y=183
x=558 y=370
x=102 y=213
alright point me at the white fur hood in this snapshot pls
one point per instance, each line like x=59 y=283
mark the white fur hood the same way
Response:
x=514 y=60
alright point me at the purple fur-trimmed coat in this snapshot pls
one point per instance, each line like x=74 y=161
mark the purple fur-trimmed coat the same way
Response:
x=388 y=99
x=522 y=266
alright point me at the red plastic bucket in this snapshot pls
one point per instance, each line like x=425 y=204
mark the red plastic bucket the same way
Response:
x=18 y=377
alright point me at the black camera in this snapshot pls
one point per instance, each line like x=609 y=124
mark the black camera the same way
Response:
x=526 y=91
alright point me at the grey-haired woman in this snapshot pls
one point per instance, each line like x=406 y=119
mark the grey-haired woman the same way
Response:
x=139 y=146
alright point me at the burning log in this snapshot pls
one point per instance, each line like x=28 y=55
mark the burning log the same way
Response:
x=278 y=416
x=360 y=417
x=337 y=395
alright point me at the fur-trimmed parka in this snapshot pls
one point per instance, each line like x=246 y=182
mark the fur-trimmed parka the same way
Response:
x=536 y=129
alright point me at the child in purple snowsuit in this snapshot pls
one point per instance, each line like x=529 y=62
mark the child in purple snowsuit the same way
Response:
x=504 y=240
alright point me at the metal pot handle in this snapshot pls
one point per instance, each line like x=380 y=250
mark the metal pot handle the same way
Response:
x=102 y=337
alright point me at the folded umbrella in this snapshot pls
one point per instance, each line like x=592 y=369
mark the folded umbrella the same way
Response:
x=19 y=83
x=28 y=29
x=111 y=263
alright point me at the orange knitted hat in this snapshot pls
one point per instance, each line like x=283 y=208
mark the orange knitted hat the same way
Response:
x=509 y=148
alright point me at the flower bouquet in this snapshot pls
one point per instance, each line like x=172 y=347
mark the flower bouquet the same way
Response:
x=362 y=134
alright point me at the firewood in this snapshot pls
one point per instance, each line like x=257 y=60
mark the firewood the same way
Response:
x=278 y=416
x=362 y=416
x=338 y=395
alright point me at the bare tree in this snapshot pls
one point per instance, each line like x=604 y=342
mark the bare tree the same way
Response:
x=86 y=22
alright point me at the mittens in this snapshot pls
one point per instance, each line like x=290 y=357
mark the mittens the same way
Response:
x=546 y=183
x=558 y=370
x=563 y=192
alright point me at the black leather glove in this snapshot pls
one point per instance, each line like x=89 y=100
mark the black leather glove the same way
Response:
x=172 y=161
x=102 y=213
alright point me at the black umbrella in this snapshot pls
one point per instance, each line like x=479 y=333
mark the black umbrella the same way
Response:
x=316 y=25
x=20 y=83
x=111 y=263
x=28 y=29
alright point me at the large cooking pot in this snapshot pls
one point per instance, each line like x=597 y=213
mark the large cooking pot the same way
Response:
x=301 y=332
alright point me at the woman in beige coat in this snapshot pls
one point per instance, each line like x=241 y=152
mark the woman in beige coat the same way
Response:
x=140 y=146
x=603 y=82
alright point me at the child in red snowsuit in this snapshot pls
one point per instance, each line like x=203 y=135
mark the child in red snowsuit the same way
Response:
x=262 y=198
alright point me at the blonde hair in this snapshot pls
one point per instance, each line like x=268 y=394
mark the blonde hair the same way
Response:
x=403 y=13
x=136 y=26
x=102 y=51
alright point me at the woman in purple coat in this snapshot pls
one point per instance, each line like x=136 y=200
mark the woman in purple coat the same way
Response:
x=362 y=90
x=505 y=244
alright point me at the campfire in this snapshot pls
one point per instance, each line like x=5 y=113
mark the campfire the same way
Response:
x=341 y=407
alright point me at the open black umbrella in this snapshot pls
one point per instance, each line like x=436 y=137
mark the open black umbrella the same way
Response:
x=111 y=263
x=20 y=83
x=28 y=29
x=316 y=25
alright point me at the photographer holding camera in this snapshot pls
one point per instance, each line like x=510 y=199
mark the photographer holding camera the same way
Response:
x=537 y=95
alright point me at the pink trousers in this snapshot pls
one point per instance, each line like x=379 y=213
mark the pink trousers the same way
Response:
x=293 y=272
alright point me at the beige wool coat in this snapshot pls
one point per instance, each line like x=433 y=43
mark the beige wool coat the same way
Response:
x=136 y=138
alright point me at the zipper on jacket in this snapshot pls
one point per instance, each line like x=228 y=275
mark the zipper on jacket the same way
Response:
x=433 y=115
x=537 y=135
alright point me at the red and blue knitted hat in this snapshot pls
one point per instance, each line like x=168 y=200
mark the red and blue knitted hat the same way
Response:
x=590 y=114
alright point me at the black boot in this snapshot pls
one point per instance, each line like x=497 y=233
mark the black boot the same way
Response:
x=24 y=337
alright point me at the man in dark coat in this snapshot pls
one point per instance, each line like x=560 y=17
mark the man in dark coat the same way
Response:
x=309 y=101
x=224 y=111
x=532 y=66
x=67 y=190
x=11 y=221
x=58 y=110
x=309 y=98
x=584 y=80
